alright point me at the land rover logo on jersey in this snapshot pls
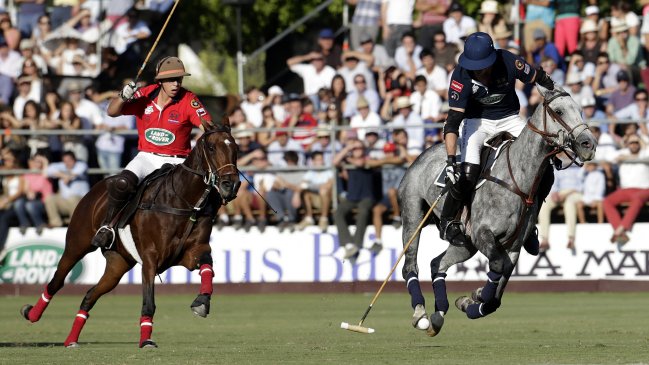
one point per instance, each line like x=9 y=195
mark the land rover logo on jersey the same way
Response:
x=159 y=136
x=492 y=99
x=34 y=262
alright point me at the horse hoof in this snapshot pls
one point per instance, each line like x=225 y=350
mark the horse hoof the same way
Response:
x=201 y=305
x=476 y=295
x=436 y=323
x=148 y=344
x=24 y=311
x=463 y=302
x=72 y=345
x=420 y=318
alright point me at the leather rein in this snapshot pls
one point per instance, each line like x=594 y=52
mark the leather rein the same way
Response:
x=212 y=177
x=561 y=142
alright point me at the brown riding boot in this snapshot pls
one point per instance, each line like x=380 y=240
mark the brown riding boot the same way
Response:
x=120 y=189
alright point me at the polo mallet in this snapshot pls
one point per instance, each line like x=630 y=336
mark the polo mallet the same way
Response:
x=155 y=44
x=359 y=328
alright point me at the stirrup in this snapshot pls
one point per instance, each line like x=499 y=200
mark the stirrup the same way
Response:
x=96 y=240
x=453 y=232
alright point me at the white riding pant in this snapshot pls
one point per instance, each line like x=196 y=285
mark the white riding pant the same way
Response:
x=476 y=131
x=145 y=163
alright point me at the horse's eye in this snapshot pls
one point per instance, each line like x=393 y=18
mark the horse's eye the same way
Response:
x=211 y=147
x=559 y=112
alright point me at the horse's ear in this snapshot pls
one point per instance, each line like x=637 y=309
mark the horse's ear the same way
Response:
x=547 y=94
x=225 y=120
x=207 y=124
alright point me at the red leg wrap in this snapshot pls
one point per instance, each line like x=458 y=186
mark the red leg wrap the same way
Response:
x=77 y=326
x=37 y=311
x=207 y=275
x=146 y=328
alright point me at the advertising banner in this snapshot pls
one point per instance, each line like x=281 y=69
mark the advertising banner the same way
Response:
x=312 y=256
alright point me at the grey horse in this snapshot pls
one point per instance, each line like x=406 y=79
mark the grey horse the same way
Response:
x=502 y=211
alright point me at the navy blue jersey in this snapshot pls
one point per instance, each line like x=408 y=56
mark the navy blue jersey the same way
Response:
x=496 y=100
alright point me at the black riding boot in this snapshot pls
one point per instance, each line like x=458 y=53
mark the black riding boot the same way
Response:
x=531 y=245
x=452 y=229
x=120 y=189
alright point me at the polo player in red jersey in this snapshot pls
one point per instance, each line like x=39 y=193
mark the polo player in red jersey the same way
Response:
x=165 y=113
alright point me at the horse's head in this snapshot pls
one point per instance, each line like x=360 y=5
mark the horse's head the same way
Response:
x=562 y=126
x=220 y=153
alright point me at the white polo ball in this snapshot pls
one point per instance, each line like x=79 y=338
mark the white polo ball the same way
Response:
x=423 y=323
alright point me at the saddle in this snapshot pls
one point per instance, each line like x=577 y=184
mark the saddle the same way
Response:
x=488 y=155
x=132 y=206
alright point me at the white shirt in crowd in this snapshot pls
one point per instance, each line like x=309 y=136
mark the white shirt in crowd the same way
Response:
x=360 y=69
x=437 y=79
x=399 y=12
x=415 y=134
x=634 y=175
x=455 y=30
x=426 y=105
x=89 y=111
x=401 y=58
x=11 y=65
x=362 y=125
x=111 y=142
x=124 y=35
x=253 y=112
x=594 y=186
x=276 y=151
x=313 y=80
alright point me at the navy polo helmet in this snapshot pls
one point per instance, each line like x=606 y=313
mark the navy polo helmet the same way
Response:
x=479 y=52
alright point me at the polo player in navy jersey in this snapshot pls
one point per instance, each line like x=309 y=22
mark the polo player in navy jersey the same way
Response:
x=482 y=93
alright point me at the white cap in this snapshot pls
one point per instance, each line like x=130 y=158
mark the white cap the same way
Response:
x=573 y=78
x=588 y=101
x=275 y=90
x=592 y=9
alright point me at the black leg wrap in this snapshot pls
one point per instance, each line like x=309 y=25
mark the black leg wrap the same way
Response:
x=205 y=258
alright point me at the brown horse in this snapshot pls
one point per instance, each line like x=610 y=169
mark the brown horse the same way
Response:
x=171 y=227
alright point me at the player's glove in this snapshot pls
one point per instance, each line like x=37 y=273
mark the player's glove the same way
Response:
x=452 y=170
x=128 y=91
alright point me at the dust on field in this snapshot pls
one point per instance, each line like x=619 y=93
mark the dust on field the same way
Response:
x=575 y=328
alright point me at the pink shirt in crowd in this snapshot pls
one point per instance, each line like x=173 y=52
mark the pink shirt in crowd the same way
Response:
x=39 y=184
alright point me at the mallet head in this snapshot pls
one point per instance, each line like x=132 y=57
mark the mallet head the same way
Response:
x=356 y=328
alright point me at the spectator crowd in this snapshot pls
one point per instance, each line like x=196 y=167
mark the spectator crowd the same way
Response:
x=387 y=88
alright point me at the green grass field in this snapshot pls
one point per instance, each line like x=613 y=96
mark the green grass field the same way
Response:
x=575 y=328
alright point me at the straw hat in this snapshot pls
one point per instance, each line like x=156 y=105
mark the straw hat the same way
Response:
x=402 y=102
x=489 y=7
x=241 y=131
x=362 y=103
x=501 y=31
x=588 y=26
x=573 y=78
x=618 y=26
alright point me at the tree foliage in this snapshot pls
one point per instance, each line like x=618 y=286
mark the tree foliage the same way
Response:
x=213 y=24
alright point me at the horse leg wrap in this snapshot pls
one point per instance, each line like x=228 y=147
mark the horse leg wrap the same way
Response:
x=146 y=328
x=77 y=326
x=489 y=290
x=416 y=297
x=439 y=289
x=37 y=311
x=206 y=279
x=478 y=310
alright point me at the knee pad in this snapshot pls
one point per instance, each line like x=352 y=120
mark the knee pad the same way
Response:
x=121 y=185
x=470 y=175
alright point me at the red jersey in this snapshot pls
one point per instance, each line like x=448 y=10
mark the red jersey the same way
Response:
x=167 y=130
x=304 y=136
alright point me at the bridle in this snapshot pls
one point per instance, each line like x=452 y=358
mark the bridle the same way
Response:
x=213 y=175
x=564 y=140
